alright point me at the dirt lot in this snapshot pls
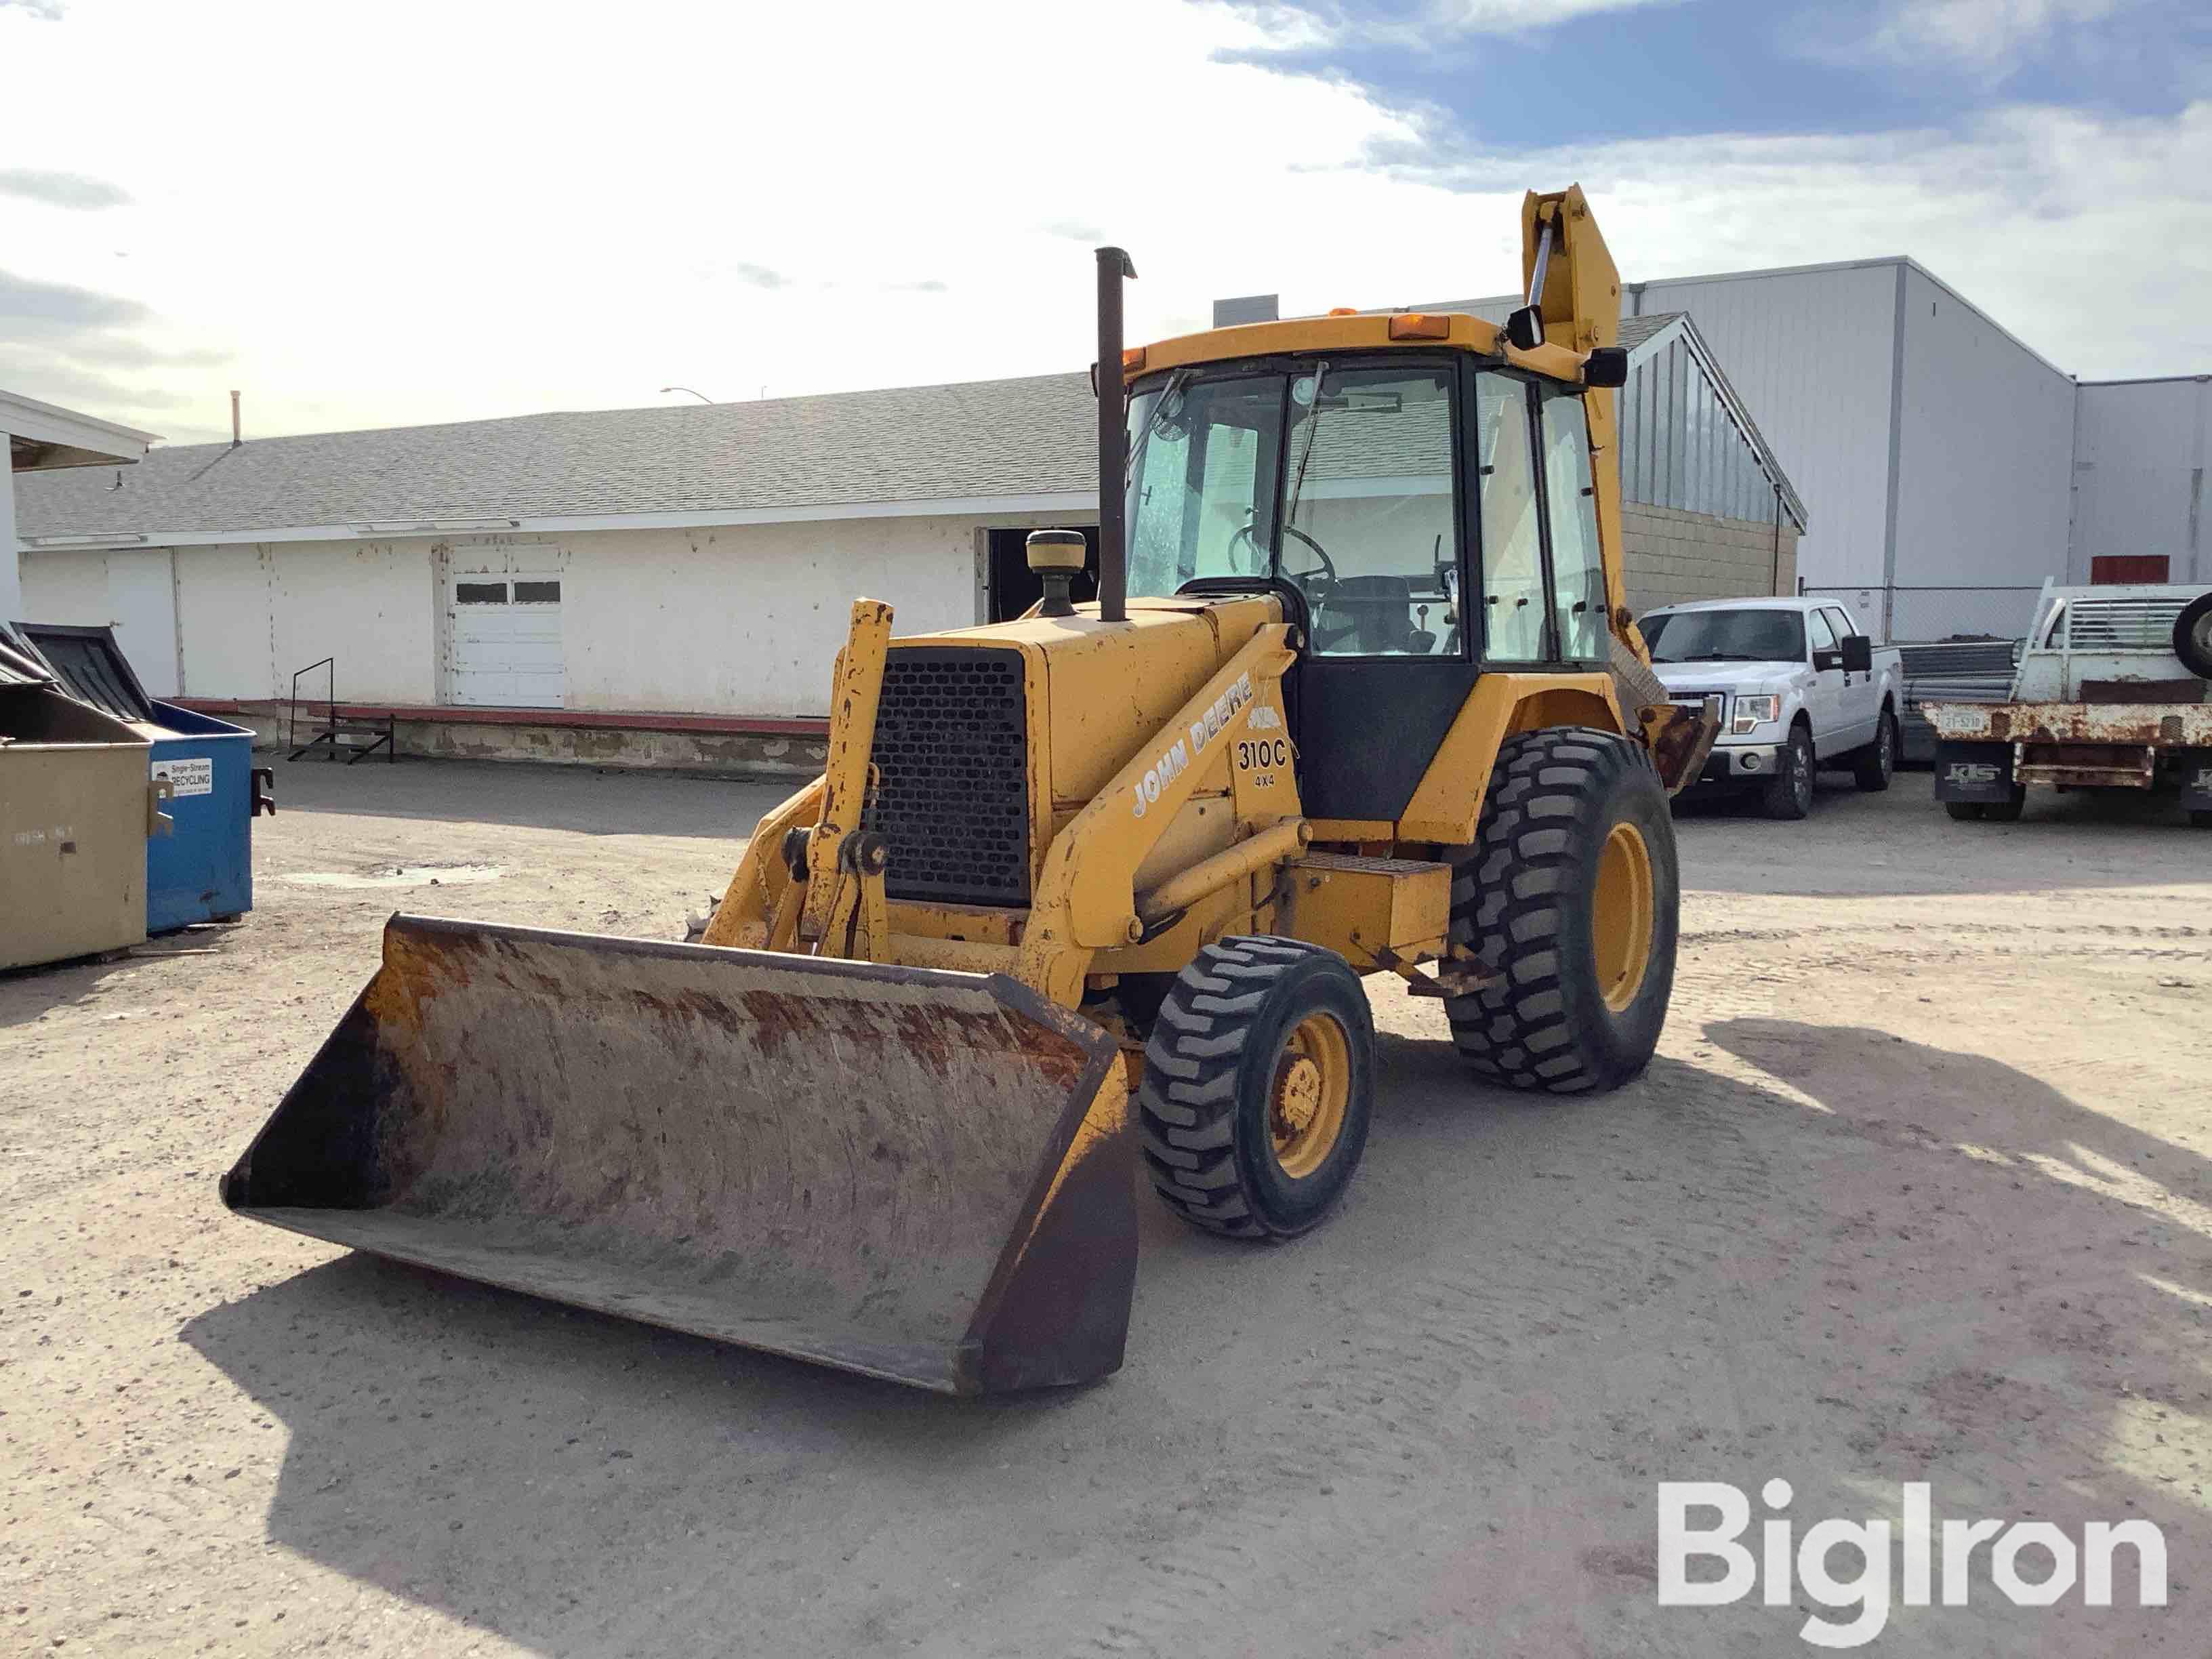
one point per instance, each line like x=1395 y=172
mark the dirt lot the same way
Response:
x=1917 y=1191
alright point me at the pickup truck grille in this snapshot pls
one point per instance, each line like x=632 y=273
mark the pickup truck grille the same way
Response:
x=1695 y=701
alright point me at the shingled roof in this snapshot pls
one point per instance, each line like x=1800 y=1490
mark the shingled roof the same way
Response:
x=972 y=442
x=977 y=440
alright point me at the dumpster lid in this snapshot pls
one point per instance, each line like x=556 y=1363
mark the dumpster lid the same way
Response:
x=21 y=667
x=91 y=667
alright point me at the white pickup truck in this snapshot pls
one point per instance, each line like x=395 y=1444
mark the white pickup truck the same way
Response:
x=1804 y=690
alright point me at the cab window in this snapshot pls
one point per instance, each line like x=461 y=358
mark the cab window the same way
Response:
x=1368 y=530
x=1822 y=636
x=1570 y=496
x=1512 y=598
x=1202 y=480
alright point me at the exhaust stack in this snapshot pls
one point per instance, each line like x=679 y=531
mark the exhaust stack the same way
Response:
x=1113 y=265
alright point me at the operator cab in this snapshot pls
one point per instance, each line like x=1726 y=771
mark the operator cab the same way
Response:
x=1434 y=510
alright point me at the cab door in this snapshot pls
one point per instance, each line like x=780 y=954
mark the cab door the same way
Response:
x=1372 y=532
x=1824 y=702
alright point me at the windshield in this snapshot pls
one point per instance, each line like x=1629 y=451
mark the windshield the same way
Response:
x=1725 y=636
x=1361 y=455
x=1202 y=480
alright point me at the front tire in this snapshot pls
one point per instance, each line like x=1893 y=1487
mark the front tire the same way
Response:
x=1789 y=796
x=1876 y=763
x=1259 y=1082
x=1571 y=901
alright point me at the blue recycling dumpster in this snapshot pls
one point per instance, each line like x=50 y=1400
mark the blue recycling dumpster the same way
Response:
x=204 y=868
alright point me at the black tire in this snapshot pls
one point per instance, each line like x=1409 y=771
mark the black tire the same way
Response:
x=1789 y=795
x=1524 y=899
x=1966 y=812
x=2008 y=811
x=2192 y=637
x=2200 y=819
x=1218 y=1056
x=1874 y=766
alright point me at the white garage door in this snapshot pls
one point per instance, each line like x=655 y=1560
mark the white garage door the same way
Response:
x=507 y=641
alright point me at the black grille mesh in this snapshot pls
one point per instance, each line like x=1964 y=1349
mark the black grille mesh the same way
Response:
x=951 y=755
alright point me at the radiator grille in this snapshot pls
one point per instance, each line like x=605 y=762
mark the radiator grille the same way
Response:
x=952 y=756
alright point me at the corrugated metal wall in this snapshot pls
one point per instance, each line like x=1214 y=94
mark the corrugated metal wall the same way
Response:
x=2140 y=456
x=1810 y=353
x=1680 y=447
x=1985 y=435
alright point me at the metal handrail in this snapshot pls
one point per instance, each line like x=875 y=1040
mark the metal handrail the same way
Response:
x=292 y=708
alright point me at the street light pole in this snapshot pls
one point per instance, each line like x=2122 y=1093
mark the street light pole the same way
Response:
x=700 y=396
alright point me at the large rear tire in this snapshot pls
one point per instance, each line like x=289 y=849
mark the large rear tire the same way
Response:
x=1571 y=901
x=1259 y=1081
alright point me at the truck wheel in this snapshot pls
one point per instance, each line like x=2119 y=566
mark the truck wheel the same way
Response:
x=2192 y=637
x=1872 y=766
x=2200 y=819
x=2006 y=811
x=1571 y=900
x=1966 y=812
x=1788 y=793
x=1258 y=1083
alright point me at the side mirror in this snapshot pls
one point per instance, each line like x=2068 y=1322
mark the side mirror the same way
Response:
x=1858 y=654
x=1524 y=329
x=1606 y=369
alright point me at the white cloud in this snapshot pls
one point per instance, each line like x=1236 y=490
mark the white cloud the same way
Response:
x=1990 y=38
x=1306 y=25
x=2090 y=238
x=1515 y=17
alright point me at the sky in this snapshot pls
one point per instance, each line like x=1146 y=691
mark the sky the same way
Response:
x=367 y=213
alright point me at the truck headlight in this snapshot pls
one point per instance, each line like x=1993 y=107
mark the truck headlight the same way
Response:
x=1754 y=711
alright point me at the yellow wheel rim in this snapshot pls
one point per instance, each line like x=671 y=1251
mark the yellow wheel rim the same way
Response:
x=1621 y=916
x=1306 y=1097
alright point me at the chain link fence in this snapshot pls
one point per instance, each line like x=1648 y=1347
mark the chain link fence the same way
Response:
x=1907 y=615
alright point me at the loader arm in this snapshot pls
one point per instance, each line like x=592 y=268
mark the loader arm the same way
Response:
x=1575 y=287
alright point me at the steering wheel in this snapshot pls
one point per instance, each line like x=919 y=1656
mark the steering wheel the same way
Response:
x=1327 y=569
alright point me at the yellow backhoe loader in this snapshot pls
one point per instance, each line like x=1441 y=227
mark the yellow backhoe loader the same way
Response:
x=1360 y=694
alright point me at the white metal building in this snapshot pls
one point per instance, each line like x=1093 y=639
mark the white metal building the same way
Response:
x=1948 y=469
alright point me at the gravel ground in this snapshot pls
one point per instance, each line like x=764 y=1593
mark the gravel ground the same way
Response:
x=1916 y=1190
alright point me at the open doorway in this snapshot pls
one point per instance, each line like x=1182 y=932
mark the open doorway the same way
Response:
x=1014 y=589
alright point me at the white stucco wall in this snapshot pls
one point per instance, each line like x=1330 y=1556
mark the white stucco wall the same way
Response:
x=731 y=620
x=746 y=620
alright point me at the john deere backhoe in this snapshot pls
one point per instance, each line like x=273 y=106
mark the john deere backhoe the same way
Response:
x=1358 y=696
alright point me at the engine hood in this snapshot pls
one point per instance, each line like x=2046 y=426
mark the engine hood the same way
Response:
x=1724 y=676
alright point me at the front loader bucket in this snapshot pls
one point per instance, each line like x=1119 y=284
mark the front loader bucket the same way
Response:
x=919 y=1175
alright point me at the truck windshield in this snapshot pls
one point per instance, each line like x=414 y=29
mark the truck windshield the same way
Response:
x=1363 y=519
x=1725 y=636
x=1202 y=481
